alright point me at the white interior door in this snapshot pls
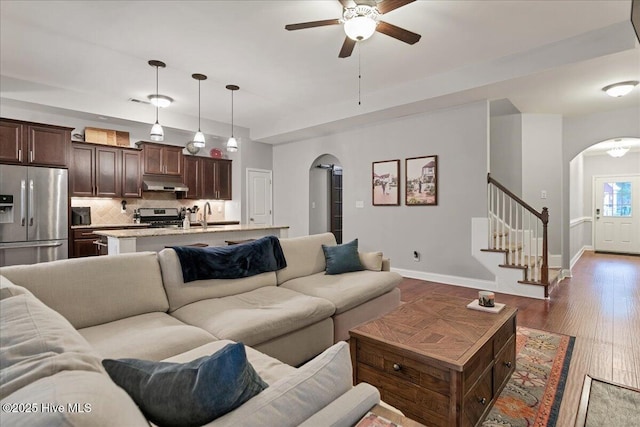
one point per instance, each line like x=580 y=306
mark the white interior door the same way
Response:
x=259 y=197
x=617 y=214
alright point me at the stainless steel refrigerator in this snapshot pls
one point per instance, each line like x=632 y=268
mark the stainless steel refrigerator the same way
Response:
x=33 y=214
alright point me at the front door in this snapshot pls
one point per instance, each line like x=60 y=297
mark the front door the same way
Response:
x=617 y=214
x=259 y=197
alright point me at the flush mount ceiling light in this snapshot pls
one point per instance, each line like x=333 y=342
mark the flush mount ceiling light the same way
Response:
x=618 y=149
x=232 y=144
x=360 y=22
x=161 y=101
x=198 y=139
x=157 y=133
x=620 y=89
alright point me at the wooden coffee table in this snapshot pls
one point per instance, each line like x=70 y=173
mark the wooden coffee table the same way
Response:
x=437 y=361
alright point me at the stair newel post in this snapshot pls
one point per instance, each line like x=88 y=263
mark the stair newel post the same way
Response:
x=545 y=261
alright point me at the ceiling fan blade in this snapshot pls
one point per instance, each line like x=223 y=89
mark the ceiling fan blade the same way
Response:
x=386 y=6
x=347 y=3
x=303 y=25
x=347 y=48
x=397 y=32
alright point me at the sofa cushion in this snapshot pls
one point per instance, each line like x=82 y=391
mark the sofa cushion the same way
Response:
x=256 y=316
x=88 y=399
x=36 y=342
x=180 y=293
x=9 y=289
x=152 y=336
x=371 y=260
x=293 y=399
x=346 y=290
x=269 y=368
x=95 y=290
x=342 y=258
x=192 y=393
x=304 y=255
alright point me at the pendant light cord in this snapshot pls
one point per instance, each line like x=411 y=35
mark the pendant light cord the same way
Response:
x=232 y=114
x=198 y=105
x=157 y=106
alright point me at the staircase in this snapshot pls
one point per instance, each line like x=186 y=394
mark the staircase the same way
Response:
x=515 y=239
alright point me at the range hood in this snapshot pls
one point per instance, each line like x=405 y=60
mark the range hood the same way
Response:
x=162 y=184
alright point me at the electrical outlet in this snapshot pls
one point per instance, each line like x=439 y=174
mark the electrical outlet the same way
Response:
x=416 y=256
x=543 y=194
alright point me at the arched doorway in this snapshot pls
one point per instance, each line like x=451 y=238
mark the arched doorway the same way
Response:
x=604 y=182
x=325 y=196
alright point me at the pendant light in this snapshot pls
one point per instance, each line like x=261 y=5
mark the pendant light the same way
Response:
x=232 y=144
x=157 y=133
x=198 y=139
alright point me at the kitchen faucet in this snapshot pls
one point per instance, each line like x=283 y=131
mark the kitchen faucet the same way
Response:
x=204 y=215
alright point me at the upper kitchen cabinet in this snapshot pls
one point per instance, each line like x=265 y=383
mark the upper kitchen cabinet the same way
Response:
x=160 y=159
x=216 y=179
x=33 y=143
x=104 y=171
x=207 y=178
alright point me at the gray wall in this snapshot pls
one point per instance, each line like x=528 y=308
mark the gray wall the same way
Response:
x=542 y=171
x=251 y=155
x=580 y=224
x=442 y=234
x=506 y=151
x=580 y=133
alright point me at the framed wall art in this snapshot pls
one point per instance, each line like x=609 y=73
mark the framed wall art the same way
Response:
x=421 y=188
x=385 y=183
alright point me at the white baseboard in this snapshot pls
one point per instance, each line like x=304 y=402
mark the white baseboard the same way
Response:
x=446 y=279
x=577 y=256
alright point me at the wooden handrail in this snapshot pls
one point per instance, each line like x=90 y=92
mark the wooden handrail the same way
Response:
x=540 y=215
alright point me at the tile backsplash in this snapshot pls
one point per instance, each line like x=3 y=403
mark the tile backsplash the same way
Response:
x=108 y=211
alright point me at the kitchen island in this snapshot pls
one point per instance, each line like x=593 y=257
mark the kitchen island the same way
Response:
x=156 y=239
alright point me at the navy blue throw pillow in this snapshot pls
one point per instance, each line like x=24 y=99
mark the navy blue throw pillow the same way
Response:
x=342 y=258
x=188 y=394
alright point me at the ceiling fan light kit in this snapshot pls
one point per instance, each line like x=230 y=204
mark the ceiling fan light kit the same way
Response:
x=360 y=22
x=361 y=19
x=617 y=90
x=157 y=133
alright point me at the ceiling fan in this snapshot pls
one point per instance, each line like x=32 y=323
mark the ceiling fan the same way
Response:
x=361 y=18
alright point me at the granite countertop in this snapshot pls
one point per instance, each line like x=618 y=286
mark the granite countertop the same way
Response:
x=124 y=225
x=145 y=225
x=152 y=232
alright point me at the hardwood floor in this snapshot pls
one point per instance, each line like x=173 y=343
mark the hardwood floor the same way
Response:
x=599 y=305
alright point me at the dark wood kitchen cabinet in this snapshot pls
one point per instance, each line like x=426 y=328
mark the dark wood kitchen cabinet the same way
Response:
x=131 y=173
x=104 y=171
x=207 y=178
x=33 y=143
x=160 y=159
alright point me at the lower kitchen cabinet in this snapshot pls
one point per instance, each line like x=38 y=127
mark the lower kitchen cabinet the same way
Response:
x=85 y=243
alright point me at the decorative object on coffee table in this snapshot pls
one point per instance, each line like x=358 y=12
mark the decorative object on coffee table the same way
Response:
x=436 y=361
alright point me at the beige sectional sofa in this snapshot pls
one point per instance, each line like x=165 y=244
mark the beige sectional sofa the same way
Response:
x=136 y=306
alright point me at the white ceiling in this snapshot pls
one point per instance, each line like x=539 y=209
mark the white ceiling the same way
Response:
x=91 y=56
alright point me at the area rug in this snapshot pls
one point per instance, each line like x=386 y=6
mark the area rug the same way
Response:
x=608 y=404
x=533 y=394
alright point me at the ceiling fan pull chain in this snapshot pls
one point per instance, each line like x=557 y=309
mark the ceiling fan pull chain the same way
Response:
x=359 y=74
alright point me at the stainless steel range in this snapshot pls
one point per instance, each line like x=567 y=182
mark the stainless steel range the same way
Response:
x=161 y=217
